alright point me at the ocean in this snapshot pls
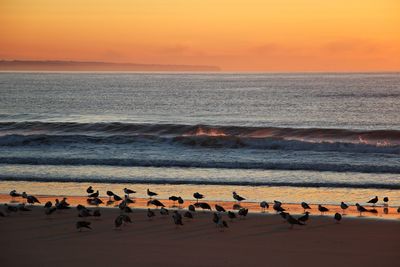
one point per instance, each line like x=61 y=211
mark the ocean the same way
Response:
x=321 y=136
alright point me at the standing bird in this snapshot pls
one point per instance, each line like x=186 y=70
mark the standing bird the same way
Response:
x=174 y=199
x=304 y=218
x=337 y=217
x=237 y=197
x=231 y=215
x=94 y=195
x=90 y=190
x=278 y=206
x=344 y=207
x=150 y=213
x=177 y=218
x=117 y=198
x=292 y=221
x=151 y=194
x=204 y=206
x=322 y=209
x=360 y=209
x=110 y=194
x=156 y=203
x=385 y=200
x=191 y=208
x=198 y=196
x=243 y=212
x=129 y=191
x=82 y=224
x=32 y=200
x=305 y=206
x=373 y=201
x=219 y=208
x=48 y=204
x=180 y=202
x=14 y=194
x=264 y=205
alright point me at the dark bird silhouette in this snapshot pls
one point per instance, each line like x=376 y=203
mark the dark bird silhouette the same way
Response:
x=344 y=207
x=264 y=205
x=150 y=213
x=292 y=221
x=385 y=201
x=121 y=219
x=198 y=196
x=83 y=224
x=117 y=198
x=127 y=210
x=360 y=209
x=32 y=200
x=90 y=190
x=14 y=194
x=84 y=213
x=173 y=198
x=231 y=215
x=373 y=201
x=151 y=194
x=243 y=212
x=164 y=211
x=110 y=194
x=188 y=214
x=322 y=209
x=94 y=195
x=48 y=204
x=177 y=218
x=278 y=208
x=180 y=201
x=94 y=201
x=337 y=217
x=304 y=218
x=204 y=206
x=305 y=206
x=191 y=208
x=237 y=197
x=128 y=200
x=129 y=191
x=156 y=203
x=219 y=208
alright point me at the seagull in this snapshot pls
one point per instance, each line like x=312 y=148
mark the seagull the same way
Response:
x=151 y=194
x=14 y=194
x=237 y=197
x=90 y=190
x=64 y=202
x=122 y=205
x=109 y=194
x=123 y=218
x=156 y=203
x=292 y=221
x=373 y=201
x=164 y=211
x=94 y=201
x=219 y=208
x=243 y=212
x=150 y=214
x=82 y=224
x=337 y=217
x=188 y=214
x=385 y=200
x=360 y=209
x=177 y=218
x=344 y=206
x=231 y=215
x=278 y=207
x=322 y=209
x=264 y=205
x=305 y=206
x=61 y=205
x=94 y=195
x=128 y=200
x=198 y=196
x=129 y=191
x=191 y=208
x=173 y=198
x=304 y=218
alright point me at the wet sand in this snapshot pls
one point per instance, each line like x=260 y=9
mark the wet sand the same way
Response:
x=34 y=239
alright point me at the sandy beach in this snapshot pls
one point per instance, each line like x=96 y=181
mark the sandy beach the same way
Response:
x=34 y=239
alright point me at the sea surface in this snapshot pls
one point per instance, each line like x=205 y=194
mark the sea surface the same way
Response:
x=278 y=133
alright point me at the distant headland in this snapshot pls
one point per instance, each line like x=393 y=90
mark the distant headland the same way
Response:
x=60 y=65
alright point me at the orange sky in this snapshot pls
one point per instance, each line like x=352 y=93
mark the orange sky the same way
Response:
x=263 y=35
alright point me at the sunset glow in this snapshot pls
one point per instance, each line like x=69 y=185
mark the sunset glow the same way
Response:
x=287 y=35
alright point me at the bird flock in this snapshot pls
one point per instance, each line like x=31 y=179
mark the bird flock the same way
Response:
x=177 y=215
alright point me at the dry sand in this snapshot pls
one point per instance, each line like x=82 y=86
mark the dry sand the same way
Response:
x=34 y=239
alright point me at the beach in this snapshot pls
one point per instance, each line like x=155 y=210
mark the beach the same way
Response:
x=34 y=239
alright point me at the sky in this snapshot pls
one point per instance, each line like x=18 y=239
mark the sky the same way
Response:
x=248 y=35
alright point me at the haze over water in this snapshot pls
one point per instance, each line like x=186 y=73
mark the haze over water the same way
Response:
x=338 y=132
